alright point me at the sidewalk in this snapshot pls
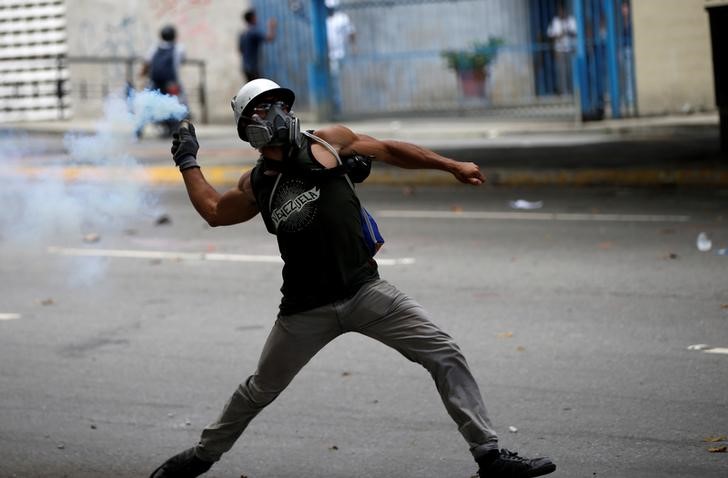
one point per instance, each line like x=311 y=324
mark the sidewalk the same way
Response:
x=656 y=151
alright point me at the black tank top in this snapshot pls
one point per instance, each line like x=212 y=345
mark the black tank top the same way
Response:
x=317 y=222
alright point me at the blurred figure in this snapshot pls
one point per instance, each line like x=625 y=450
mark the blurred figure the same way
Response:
x=162 y=66
x=341 y=36
x=562 y=32
x=626 y=56
x=249 y=43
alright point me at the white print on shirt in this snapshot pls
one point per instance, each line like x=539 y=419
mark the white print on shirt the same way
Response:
x=295 y=206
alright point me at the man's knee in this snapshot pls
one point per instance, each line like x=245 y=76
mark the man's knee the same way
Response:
x=257 y=393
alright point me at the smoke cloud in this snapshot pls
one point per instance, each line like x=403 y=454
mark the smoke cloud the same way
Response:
x=42 y=207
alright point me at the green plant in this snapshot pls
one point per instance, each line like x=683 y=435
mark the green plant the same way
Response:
x=476 y=57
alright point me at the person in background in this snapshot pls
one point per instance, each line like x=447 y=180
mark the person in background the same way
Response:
x=303 y=189
x=562 y=32
x=162 y=68
x=250 y=41
x=341 y=36
x=627 y=72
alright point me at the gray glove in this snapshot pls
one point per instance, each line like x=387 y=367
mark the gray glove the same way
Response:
x=185 y=146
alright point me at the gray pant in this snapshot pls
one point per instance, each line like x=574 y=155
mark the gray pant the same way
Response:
x=381 y=312
x=563 y=73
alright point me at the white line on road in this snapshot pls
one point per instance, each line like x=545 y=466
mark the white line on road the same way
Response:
x=9 y=316
x=530 y=216
x=708 y=349
x=193 y=256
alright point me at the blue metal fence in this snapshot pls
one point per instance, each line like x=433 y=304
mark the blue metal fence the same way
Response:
x=286 y=60
x=396 y=65
x=604 y=61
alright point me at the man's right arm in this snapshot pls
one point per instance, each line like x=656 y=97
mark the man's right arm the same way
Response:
x=233 y=207
x=271 y=34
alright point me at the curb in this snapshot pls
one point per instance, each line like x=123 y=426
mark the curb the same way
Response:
x=229 y=175
x=609 y=177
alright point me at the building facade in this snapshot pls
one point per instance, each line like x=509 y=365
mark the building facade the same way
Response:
x=656 y=62
x=674 y=71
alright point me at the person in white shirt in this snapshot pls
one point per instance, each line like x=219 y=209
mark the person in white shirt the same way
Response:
x=562 y=31
x=341 y=37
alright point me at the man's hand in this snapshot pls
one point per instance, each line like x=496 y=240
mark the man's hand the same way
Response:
x=185 y=146
x=469 y=173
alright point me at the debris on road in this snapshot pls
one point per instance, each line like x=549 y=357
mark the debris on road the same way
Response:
x=716 y=439
x=91 y=237
x=703 y=242
x=718 y=449
x=505 y=335
x=48 y=301
x=163 y=219
x=513 y=429
x=523 y=204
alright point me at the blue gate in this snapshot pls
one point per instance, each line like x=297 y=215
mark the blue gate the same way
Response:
x=399 y=63
x=287 y=59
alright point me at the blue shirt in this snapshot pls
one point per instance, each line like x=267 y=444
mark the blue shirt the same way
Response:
x=249 y=47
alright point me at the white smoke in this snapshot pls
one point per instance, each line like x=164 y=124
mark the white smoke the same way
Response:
x=42 y=207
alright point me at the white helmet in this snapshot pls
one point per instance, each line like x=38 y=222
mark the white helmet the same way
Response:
x=252 y=90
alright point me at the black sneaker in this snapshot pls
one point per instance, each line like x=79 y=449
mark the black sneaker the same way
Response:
x=182 y=465
x=507 y=464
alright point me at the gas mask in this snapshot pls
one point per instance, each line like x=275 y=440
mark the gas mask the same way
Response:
x=278 y=128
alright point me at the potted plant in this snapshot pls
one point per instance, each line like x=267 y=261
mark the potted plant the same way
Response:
x=471 y=65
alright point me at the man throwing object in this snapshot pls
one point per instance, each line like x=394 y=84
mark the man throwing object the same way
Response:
x=302 y=187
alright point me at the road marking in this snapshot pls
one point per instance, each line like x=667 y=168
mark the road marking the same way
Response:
x=708 y=349
x=530 y=216
x=9 y=316
x=193 y=256
x=698 y=347
x=148 y=174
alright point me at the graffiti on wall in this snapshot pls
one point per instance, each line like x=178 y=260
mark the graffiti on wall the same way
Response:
x=134 y=31
x=109 y=38
x=191 y=17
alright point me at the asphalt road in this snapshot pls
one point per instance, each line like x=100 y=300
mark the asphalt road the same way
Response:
x=576 y=319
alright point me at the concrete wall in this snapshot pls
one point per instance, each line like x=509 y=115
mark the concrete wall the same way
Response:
x=672 y=56
x=208 y=30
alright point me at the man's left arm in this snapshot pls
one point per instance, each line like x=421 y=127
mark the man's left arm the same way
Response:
x=400 y=154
